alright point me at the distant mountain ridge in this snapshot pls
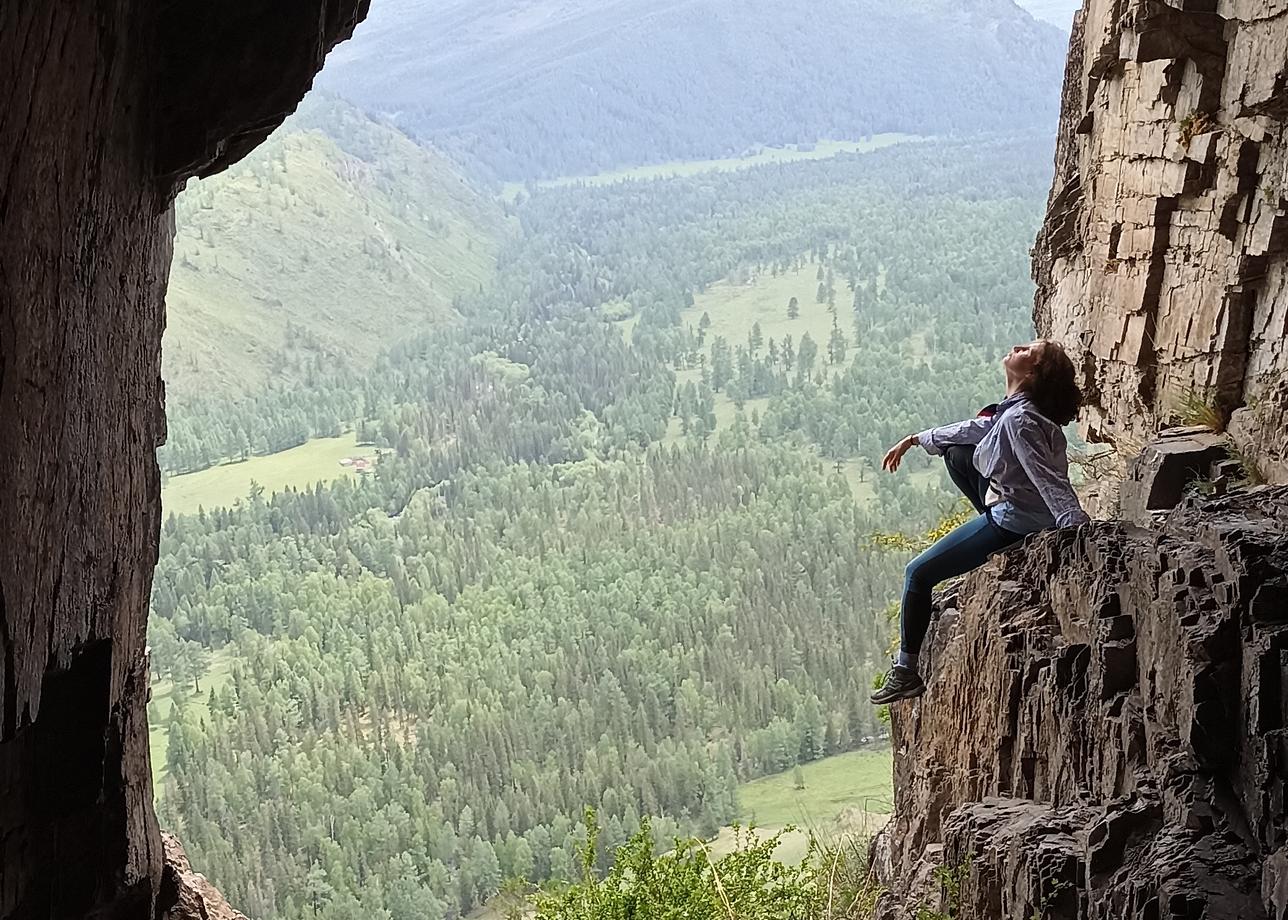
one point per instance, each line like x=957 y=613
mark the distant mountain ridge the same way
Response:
x=1057 y=12
x=339 y=234
x=539 y=88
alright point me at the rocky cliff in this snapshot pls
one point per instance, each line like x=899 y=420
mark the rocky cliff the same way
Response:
x=105 y=110
x=1164 y=253
x=1104 y=733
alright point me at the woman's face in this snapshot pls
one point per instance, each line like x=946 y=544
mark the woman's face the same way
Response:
x=1020 y=360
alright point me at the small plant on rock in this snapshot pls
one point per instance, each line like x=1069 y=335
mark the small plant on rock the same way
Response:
x=953 y=518
x=1198 y=407
x=1249 y=471
x=1194 y=124
x=950 y=879
x=1042 y=910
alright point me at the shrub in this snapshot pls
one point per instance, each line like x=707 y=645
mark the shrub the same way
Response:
x=691 y=883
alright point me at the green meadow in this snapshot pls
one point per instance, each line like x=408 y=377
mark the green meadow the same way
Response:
x=760 y=157
x=163 y=700
x=299 y=467
x=735 y=308
x=845 y=796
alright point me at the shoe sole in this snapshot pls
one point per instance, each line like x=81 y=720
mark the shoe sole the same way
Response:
x=906 y=695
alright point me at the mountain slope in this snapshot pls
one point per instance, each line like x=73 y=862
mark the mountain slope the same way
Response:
x=339 y=233
x=535 y=88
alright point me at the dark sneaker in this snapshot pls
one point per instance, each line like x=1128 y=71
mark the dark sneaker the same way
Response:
x=900 y=684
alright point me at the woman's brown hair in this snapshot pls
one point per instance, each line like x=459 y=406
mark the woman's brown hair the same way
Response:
x=1053 y=384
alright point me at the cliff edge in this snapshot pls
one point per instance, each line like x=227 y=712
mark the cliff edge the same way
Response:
x=1104 y=732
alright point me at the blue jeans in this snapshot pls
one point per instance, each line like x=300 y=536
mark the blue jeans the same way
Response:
x=956 y=553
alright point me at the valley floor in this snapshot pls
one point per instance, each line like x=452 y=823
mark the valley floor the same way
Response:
x=735 y=308
x=317 y=460
x=163 y=700
x=760 y=157
x=845 y=797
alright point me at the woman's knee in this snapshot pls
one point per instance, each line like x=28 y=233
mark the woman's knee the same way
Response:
x=960 y=457
x=915 y=577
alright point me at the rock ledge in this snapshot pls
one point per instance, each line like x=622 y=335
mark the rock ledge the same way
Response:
x=1104 y=732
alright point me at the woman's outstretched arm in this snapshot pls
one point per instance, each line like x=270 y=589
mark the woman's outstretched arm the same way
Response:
x=934 y=440
x=971 y=431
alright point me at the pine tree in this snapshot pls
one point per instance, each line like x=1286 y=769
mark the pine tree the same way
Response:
x=837 y=345
x=316 y=888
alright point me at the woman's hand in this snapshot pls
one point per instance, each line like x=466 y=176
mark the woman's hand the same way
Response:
x=894 y=456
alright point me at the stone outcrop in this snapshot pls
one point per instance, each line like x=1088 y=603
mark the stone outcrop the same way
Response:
x=188 y=895
x=1164 y=254
x=1159 y=476
x=1105 y=733
x=105 y=109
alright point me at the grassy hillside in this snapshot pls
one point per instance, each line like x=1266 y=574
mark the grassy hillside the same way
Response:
x=338 y=233
x=545 y=88
x=846 y=796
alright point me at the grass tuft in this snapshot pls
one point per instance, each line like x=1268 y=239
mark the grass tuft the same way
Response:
x=1198 y=407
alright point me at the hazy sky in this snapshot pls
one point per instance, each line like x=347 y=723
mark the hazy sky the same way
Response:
x=1059 y=12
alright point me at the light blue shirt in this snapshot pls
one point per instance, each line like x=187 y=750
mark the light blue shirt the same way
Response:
x=1023 y=454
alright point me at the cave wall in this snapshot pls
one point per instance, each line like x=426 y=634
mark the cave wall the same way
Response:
x=1164 y=253
x=105 y=110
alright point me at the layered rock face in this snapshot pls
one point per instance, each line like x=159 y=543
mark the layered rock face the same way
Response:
x=1105 y=733
x=1164 y=255
x=105 y=109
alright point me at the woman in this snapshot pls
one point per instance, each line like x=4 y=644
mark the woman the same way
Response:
x=1011 y=465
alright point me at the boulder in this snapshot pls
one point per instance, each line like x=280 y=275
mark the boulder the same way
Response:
x=1159 y=476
